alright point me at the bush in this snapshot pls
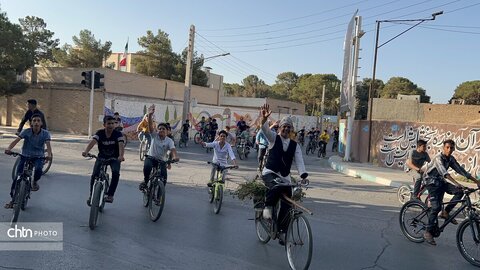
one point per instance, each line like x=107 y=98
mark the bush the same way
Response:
x=250 y=190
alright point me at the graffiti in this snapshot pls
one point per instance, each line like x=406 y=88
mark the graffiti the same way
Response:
x=394 y=147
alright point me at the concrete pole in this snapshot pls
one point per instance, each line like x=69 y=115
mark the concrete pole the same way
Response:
x=90 y=115
x=353 y=103
x=322 y=108
x=188 y=75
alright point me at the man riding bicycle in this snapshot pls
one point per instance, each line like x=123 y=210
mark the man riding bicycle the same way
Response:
x=415 y=160
x=282 y=152
x=110 y=145
x=32 y=110
x=34 y=139
x=323 y=141
x=158 y=150
x=221 y=151
x=435 y=173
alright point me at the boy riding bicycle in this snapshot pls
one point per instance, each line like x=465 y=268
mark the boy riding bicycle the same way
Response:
x=221 y=151
x=33 y=147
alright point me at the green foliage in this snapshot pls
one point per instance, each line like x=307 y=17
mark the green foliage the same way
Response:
x=15 y=57
x=403 y=86
x=39 y=39
x=86 y=52
x=362 y=96
x=309 y=92
x=250 y=190
x=469 y=91
x=255 y=87
x=233 y=90
x=285 y=84
x=167 y=115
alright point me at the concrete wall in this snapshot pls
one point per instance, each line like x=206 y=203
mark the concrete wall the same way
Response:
x=65 y=109
x=396 y=109
x=276 y=105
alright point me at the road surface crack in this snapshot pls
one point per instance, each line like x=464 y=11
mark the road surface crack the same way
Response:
x=384 y=248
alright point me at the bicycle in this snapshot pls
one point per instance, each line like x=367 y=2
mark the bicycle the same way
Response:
x=264 y=159
x=311 y=146
x=99 y=191
x=46 y=165
x=242 y=148
x=183 y=140
x=218 y=186
x=299 y=232
x=22 y=185
x=322 y=147
x=413 y=220
x=143 y=148
x=154 y=193
x=405 y=193
x=301 y=139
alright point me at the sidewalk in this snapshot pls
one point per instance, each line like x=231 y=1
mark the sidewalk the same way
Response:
x=9 y=133
x=376 y=174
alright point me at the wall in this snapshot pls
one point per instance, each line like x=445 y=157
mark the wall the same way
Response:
x=65 y=109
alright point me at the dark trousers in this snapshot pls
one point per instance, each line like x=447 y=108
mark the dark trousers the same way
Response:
x=115 y=166
x=436 y=192
x=38 y=167
x=273 y=195
x=324 y=145
x=261 y=155
x=417 y=184
x=148 y=165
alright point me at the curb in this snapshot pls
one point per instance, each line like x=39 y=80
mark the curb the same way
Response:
x=345 y=169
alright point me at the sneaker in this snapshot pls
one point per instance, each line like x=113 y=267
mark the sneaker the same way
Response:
x=429 y=238
x=35 y=186
x=109 y=199
x=9 y=205
x=142 y=186
x=445 y=215
x=267 y=212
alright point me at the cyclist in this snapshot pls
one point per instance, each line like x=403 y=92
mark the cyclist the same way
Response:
x=335 y=136
x=143 y=131
x=118 y=122
x=241 y=126
x=323 y=141
x=312 y=135
x=435 y=173
x=110 y=145
x=185 y=129
x=282 y=152
x=213 y=128
x=301 y=135
x=262 y=143
x=221 y=151
x=230 y=137
x=415 y=160
x=160 y=148
x=32 y=109
x=34 y=139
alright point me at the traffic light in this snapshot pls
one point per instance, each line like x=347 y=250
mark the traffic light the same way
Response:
x=98 y=83
x=87 y=81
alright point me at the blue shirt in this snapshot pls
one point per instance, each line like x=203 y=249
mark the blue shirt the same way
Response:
x=33 y=144
x=263 y=142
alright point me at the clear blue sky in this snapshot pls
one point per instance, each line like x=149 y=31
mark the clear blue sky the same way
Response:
x=268 y=37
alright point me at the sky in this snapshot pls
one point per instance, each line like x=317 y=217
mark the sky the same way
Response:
x=269 y=37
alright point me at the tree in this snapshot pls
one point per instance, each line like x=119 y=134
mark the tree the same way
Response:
x=403 y=86
x=156 y=59
x=363 y=88
x=309 y=92
x=233 y=90
x=14 y=57
x=198 y=76
x=468 y=91
x=87 y=52
x=255 y=87
x=40 y=40
x=285 y=84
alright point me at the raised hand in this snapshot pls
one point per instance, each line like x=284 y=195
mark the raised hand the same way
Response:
x=265 y=111
x=151 y=109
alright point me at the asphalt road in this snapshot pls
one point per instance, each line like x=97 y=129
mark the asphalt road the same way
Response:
x=355 y=223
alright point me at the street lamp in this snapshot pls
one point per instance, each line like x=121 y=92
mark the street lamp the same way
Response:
x=372 y=83
x=215 y=56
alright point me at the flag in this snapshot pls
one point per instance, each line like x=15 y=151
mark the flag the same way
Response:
x=123 y=62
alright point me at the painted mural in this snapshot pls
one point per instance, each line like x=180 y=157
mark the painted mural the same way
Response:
x=399 y=138
x=132 y=111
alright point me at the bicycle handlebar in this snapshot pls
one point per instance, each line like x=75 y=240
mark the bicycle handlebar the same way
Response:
x=99 y=158
x=14 y=154
x=223 y=167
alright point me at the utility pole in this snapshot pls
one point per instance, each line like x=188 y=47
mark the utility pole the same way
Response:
x=351 y=114
x=322 y=108
x=90 y=115
x=188 y=75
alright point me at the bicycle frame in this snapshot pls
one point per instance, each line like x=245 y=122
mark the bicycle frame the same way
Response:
x=101 y=179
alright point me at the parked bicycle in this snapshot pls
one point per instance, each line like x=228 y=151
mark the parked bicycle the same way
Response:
x=47 y=163
x=298 y=238
x=99 y=191
x=154 y=193
x=22 y=186
x=218 y=186
x=413 y=220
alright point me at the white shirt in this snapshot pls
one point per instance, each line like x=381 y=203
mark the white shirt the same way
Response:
x=220 y=153
x=159 y=148
x=271 y=136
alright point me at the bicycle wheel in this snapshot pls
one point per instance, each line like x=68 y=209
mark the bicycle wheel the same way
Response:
x=196 y=137
x=26 y=197
x=14 y=169
x=308 y=149
x=146 y=194
x=404 y=194
x=156 y=200
x=467 y=232
x=319 y=154
x=413 y=221
x=19 y=197
x=95 y=205
x=262 y=229
x=217 y=205
x=211 y=193
x=299 y=243
x=102 y=205
x=142 y=150
x=47 y=164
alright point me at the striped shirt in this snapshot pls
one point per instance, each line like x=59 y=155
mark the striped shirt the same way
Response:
x=437 y=169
